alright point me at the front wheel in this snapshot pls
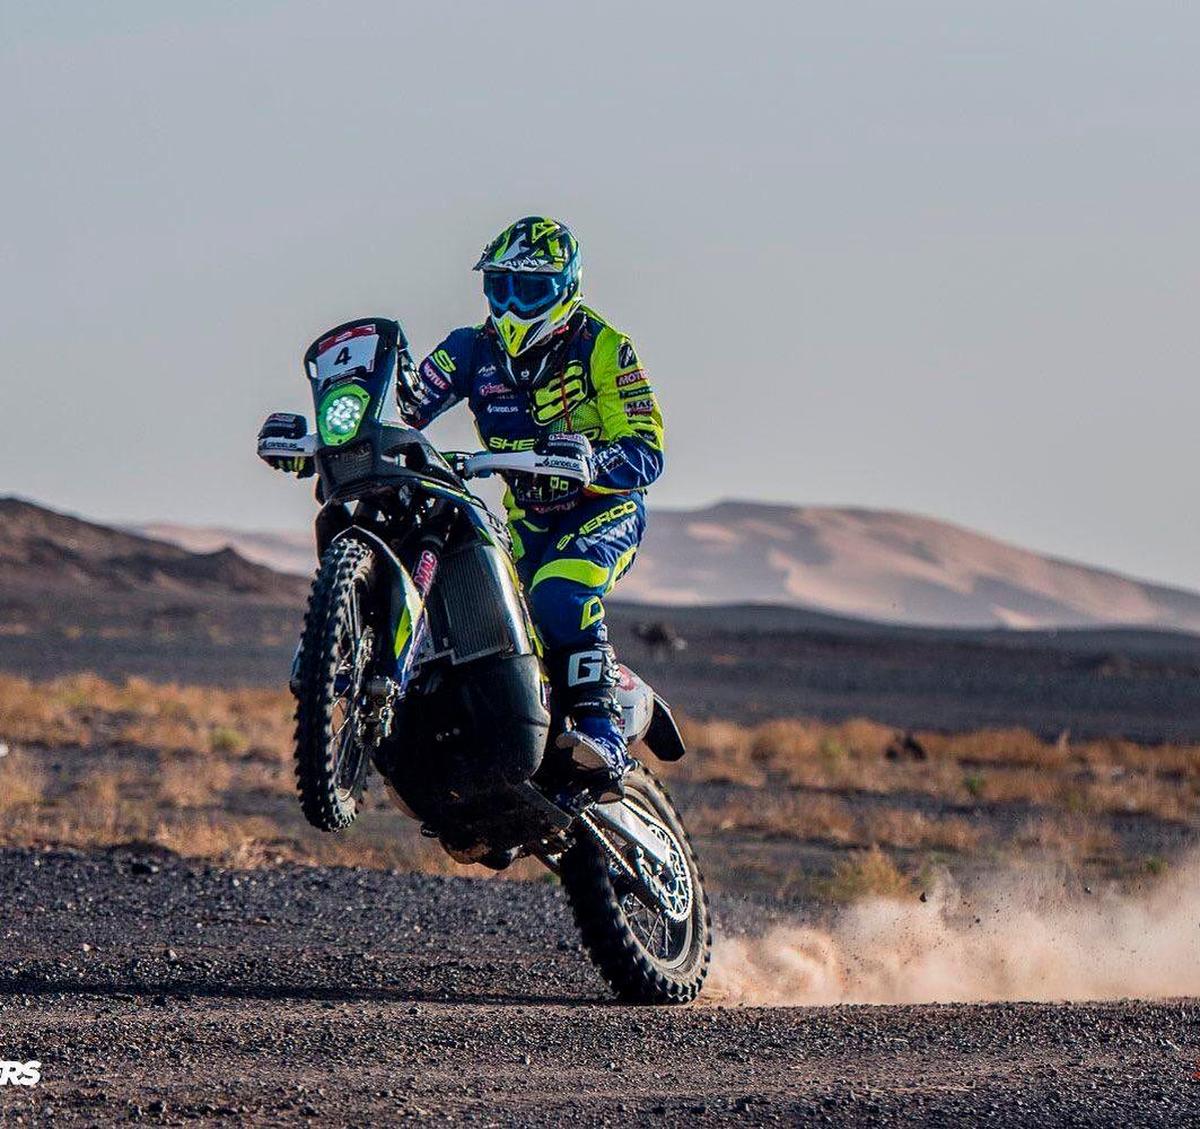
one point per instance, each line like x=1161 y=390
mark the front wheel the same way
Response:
x=335 y=656
x=648 y=955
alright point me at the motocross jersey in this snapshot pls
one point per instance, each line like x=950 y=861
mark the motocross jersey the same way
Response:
x=599 y=390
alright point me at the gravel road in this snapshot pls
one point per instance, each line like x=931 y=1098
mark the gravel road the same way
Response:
x=167 y=992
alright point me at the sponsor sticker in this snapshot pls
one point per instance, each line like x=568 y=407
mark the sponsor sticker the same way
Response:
x=639 y=408
x=346 y=335
x=424 y=570
x=625 y=355
x=494 y=389
x=430 y=373
x=627 y=378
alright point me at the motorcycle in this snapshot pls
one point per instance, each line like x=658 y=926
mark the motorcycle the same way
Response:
x=419 y=658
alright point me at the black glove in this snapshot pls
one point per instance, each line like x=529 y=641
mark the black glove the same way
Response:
x=567 y=445
x=411 y=398
x=555 y=490
x=286 y=425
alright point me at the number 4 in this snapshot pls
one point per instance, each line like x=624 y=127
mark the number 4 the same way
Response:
x=343 y=355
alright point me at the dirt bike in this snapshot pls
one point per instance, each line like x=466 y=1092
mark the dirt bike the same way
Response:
x=419 y=658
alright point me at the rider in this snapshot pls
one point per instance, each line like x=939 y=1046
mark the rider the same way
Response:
x=546 y=373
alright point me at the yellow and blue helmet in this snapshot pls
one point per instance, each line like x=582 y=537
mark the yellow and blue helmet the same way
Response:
x=531 y=281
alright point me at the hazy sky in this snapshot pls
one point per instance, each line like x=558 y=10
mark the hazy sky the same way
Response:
x=930 y=256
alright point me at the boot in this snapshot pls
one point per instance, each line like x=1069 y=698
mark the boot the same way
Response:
x=586 y=682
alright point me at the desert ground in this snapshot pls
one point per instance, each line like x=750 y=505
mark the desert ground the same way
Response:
x=953 y=875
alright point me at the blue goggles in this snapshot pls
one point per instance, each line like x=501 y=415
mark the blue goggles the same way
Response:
x=526 y=292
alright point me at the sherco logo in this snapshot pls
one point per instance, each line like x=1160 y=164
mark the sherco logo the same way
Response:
x=20 y=1073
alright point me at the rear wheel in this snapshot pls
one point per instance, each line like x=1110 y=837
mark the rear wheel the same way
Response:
x=335 y=657
x=649 y=954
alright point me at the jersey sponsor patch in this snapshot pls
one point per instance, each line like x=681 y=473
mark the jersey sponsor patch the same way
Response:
x=636 y=391
x=559 y=396
x=494 y=389
x=639 y=408
x=636 y=376
x=443 y=360
x=430 y=373
x=625 y=355
x=606 y=457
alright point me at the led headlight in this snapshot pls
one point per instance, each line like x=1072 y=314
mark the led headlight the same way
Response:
x=343 y=414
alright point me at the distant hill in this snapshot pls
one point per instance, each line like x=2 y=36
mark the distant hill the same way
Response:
x=290 y=552
x=43 y=550
x=873 y=564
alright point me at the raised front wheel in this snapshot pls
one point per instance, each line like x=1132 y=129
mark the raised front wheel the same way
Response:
x=336 y=652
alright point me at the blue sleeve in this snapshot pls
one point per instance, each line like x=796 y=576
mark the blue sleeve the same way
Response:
x=442 y=378
x=629 y=463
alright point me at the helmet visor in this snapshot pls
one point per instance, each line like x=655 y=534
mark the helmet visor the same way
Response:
x=523 y=292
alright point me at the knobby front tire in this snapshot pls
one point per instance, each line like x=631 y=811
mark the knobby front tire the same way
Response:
x=335 y=654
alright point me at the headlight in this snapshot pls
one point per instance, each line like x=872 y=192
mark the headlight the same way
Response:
x=341 y=413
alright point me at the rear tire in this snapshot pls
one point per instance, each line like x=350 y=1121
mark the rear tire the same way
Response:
x=336 y=652
x=621 y=942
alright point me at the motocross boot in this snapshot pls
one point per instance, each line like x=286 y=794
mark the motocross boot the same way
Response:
x=586 y=682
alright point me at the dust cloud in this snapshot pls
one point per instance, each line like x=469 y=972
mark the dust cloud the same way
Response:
x=1015 y=937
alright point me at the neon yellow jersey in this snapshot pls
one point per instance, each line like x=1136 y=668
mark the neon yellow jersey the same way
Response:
x=601 y=390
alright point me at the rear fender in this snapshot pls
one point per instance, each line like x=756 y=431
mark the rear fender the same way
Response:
x=637 y=704
x=663 y=736
x=647 y=717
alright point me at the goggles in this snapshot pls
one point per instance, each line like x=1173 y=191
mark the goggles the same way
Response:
x=524 y=292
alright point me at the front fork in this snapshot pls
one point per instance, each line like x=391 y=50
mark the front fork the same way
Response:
x=412 y=621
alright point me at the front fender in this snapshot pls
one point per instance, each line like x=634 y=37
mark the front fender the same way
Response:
x=405 y=608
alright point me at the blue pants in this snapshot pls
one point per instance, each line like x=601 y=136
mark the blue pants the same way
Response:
x=568 y=563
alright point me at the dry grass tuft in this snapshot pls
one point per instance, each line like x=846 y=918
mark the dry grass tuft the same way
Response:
x=192 y=782
x=996 y=767
x=207 y=772
x=863 y=874
x=22 y=783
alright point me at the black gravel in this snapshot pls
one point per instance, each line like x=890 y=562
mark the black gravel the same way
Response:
x=166 y=992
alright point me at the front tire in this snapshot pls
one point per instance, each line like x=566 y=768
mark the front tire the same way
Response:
x=646 y=958
x=335 y=655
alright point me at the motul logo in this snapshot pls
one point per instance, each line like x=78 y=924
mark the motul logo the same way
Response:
x=20 y=1073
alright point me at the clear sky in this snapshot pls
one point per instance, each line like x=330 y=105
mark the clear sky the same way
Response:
x=929 y=256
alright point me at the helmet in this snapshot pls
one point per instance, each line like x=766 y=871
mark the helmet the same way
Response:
x=531 y=281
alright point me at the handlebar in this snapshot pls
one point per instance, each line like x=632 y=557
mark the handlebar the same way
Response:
x=480 y=464
x=485 y=463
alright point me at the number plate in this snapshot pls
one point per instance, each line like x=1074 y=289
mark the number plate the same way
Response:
x=347 y=351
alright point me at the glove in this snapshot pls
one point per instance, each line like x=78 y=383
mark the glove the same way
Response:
x=410 y=399
x=552 y=490
x=299 y=465
x=286 y=425
x=566 y=445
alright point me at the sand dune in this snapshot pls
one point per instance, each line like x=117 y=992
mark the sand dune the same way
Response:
x=876 y=564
